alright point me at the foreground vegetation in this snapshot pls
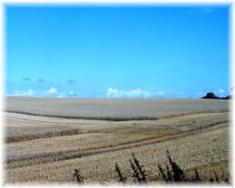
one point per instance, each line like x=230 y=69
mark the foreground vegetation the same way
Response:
x=171 y=173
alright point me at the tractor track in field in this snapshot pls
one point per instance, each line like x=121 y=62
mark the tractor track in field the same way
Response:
x=112 y=119
x=46 y=157
x=72 y=130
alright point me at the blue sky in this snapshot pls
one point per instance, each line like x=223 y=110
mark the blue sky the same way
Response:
x=117 y=51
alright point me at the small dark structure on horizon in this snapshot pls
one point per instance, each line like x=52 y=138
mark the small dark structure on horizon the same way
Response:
x=211 y=95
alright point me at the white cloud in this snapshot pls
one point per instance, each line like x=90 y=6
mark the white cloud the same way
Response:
x=221 y=91
x=136 y=93
x=28 y=93
x=72 y=94
x=52 y=91
x=161 y=93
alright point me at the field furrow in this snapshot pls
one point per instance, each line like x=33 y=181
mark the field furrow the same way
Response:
x=45 y=145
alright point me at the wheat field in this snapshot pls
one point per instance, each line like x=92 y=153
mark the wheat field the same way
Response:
x=46 y=139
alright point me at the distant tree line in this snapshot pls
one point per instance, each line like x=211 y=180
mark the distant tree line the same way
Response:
x=211 y=95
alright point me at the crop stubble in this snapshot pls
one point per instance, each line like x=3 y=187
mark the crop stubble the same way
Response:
x=194 y=139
